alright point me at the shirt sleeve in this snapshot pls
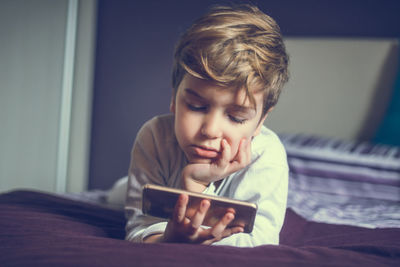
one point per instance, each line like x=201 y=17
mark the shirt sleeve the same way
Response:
x=264 y=182
x=146 y=167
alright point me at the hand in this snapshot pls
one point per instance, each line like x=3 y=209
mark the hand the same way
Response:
x=197 y=176
x=180 y=228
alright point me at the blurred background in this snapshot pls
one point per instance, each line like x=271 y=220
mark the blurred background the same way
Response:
x=78 y=78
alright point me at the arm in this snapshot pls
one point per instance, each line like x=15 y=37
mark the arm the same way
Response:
x=264 y=182
x=269 y=192
x=146 y=167
x=196 y=177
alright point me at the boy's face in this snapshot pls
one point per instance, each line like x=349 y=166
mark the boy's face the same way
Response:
x=206 y=113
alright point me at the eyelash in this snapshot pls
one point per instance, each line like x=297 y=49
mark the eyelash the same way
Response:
x=236 y=120
x=196 y=108
x=204 y=108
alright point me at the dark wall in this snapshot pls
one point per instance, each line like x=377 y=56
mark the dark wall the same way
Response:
x=135 y=41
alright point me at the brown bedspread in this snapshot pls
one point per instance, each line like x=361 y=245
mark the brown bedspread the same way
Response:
x=39 y=229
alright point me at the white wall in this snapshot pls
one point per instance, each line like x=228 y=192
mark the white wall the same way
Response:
x=338 y=87
x=32 y=46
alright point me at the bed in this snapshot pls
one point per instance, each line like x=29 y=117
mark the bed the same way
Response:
x=343 y=210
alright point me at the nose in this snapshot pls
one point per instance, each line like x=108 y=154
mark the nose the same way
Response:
x=212 y=126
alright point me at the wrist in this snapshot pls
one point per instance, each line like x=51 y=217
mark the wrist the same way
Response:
x=193 y=185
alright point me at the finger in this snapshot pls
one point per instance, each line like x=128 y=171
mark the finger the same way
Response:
x=208 y=239
x=231 y=231
x=241 y=155
x=245 y=160
x=180 y=209
x=199 y=216
x=225 y=153
x=218 y=229
x=248 y=150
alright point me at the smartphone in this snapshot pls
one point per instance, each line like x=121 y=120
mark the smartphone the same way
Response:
x=159 y=201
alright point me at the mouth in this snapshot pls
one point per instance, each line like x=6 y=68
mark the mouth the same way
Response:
x=205 y=152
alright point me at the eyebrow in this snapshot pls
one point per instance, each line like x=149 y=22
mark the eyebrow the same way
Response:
x=193 y=93
x=243 y=108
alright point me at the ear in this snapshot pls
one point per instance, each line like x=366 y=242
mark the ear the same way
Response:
x=172 y=105
x=261 y=123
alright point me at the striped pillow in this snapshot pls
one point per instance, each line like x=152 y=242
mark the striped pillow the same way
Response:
x=343 y=167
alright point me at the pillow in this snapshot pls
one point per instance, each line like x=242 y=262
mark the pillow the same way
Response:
x=343 y=167
x=117 y=194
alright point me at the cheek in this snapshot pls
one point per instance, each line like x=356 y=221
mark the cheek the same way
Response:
x=183 y=129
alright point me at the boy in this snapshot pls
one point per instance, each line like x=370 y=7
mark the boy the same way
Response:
x=229 y=68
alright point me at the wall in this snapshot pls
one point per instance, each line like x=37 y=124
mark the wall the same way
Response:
x=33 y=77
x=338 y=87
x=135 y=42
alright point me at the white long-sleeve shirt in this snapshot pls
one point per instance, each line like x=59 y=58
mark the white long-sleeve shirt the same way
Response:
x=158 y=159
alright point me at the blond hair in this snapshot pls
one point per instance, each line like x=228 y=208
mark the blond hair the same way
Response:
x=239 y=47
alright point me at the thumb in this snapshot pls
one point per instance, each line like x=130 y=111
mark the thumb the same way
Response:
x=226 y=151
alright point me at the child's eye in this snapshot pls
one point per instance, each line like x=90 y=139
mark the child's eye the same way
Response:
x=236 y=119
x=196 y=107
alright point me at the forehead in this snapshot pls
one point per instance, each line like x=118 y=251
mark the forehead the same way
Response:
x=207 y=89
